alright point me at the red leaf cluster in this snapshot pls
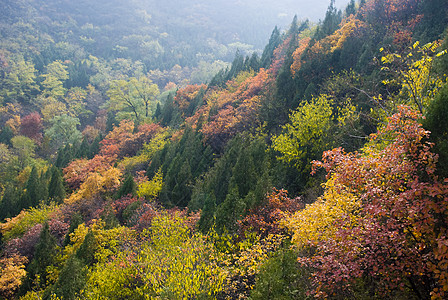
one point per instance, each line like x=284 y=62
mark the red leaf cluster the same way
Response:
x=31 y=126
x=265 y=219
x=399 y=237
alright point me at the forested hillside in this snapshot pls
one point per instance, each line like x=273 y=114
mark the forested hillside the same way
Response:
x=136 y=163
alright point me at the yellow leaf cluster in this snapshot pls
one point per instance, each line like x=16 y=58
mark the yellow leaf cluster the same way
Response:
x=306 y=130
x=12 y=271
x=419 y=85
x=170 y=263
x=351 y=26
x=95 y=184
x=15 y=227
x=150 y=189
x=149 y=149
x=316 y=222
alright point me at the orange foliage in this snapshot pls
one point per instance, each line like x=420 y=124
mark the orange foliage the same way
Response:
x=117 y=136
x=14 y=123
x=185 y=96
x=120 y=142
x=297 y=55
x=80 y=169
x=389 y=9
x=236 y=111
x=90 y=133
x=350 y=27
x=279 y=56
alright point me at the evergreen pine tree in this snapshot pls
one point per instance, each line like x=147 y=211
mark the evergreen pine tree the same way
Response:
x=111 y=121
x=230 y=211
x=127 y=188
x=351 y=8
x=56 y=189
x=44 y=256
x=158 y=111
x=65 y=156
x=168 y=110
x=71 y=280
x=32 y=195
x=6 y=134
x=207 y=219
x=86 y=252
x=95 y=146
x=84 y=149
x=237 y=66
x=181 y=193
x=75 y=221
x=268 y=52
x=437 y=122
x=9 y=205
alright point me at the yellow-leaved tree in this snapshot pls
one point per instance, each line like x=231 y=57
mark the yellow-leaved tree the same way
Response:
x=311 y=130
x=170 y=263
x=413 y=71
x=151 y=188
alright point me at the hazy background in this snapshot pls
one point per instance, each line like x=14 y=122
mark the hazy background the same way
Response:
x=161 y=34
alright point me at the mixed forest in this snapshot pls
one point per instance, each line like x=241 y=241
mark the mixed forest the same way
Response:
x=137 y=163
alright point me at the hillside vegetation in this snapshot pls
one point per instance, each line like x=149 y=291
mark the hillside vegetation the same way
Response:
x=135 y=163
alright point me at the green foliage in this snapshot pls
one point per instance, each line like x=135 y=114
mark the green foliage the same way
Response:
x=268 y=52
x=75 y=221
x=128 y=187
x=237 y=182
x=183 y=161
x=133 y=98
x=6 y=135
x=56 y=189
x=9 y=205
x=18 y=225
x=86 y=252
x=63 y=60
x=44 y=256
x=330 y=23
x=64 y=130
x=56 y=74
x=437 y=122
x=19 y=82
x=24 y=148
x=35 y=190
x=71 y=280
x=281 y=277
x=310 y=131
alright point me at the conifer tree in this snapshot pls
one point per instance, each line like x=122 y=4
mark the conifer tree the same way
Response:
x=158 y=111
x=168 y=110
x=127 y=188
x=84 y=149
x=351 y=8
x=44 y=256
x=75 y=221
x=86 y=252
x=9 y=205
x=95 y=146
x=71 y=280
x=6 y=134
x=56 y=189
x=268 y=52
x=230 y=211
x=32 y=195
x=207 y=219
